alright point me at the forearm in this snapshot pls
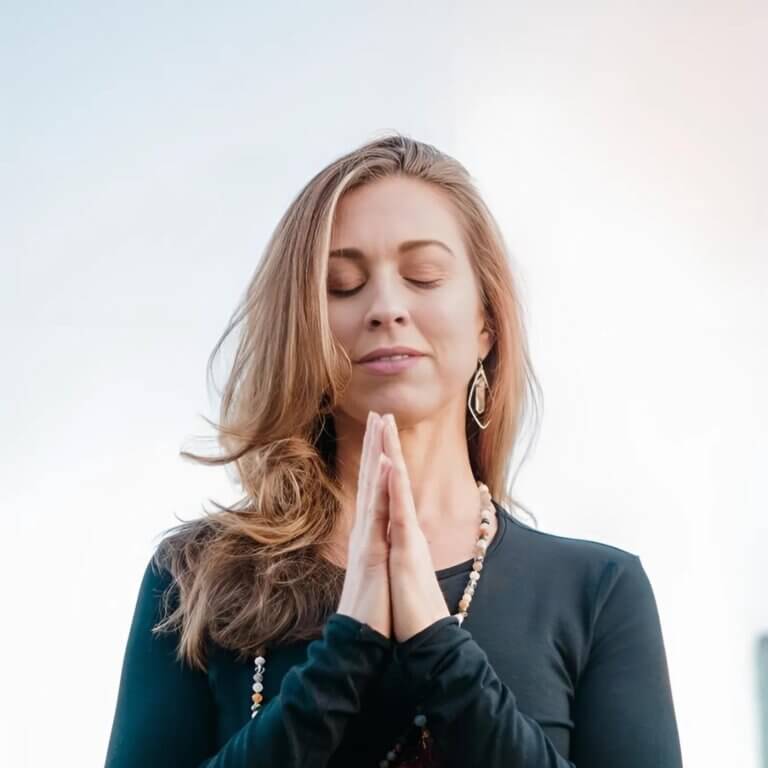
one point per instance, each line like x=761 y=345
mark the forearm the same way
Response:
x=305 y=724
x=472 y=715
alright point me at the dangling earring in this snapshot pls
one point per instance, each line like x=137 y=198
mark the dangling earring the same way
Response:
x=477 y=392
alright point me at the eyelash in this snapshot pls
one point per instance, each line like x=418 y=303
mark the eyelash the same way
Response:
x=420 y=283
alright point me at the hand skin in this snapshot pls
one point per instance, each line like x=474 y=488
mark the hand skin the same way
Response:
x=390 y=582
x=416 y=597
x=365 y=593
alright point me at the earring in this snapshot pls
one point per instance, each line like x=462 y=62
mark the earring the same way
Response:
x=477 y=392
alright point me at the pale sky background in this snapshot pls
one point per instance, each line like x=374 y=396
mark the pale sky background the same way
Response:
x=146 y=152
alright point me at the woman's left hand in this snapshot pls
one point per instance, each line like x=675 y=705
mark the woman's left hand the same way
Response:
x=416 y=597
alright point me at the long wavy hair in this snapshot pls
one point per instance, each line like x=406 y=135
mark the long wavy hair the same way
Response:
x=256 y=573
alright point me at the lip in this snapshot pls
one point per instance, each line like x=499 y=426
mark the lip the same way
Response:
x=382 y=351
x=388 y=367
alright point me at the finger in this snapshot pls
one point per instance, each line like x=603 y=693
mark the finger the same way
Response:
x=379 y=518
x=364 y=454
x=391 y=441
x=398 y=525
x=371 y=466
x=401 y=497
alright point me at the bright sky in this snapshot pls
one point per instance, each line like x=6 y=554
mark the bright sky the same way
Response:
x=146 y=153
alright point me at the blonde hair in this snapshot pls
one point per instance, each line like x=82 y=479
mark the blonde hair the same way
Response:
x=254 y=573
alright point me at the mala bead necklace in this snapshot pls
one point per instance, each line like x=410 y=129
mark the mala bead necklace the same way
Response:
x=424 y=753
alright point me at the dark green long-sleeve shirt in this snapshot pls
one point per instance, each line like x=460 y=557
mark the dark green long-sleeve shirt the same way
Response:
x=560 y=663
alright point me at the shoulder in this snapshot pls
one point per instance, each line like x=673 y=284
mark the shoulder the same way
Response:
x=566 y=548
x=180 y=548
x=172 y=562
x=157 y=590
x=604 y=588
x=591 y=567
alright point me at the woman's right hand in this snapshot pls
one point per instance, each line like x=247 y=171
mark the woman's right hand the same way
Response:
x=365 y=594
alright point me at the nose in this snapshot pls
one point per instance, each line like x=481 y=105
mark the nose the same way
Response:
x=387 y=305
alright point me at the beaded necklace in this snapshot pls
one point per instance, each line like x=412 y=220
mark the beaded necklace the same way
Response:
x=424 y=754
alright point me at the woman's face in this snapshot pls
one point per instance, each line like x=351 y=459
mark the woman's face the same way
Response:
x=441 y=318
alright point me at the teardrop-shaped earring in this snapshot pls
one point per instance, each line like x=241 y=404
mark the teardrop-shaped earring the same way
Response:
x=477 y=394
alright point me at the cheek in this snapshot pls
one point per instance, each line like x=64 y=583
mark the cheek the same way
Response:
x=343 y=324
x=446 y=319
x=447 y=327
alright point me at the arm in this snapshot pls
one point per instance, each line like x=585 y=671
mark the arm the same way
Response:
x=165 y=713
x=471 y=714
x=623 y=712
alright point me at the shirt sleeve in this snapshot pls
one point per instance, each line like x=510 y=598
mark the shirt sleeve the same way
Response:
x=165 y=712
x=623 y=712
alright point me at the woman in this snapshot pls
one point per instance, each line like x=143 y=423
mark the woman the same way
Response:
x=371 y=600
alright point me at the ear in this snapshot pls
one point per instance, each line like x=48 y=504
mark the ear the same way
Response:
x=485 y=342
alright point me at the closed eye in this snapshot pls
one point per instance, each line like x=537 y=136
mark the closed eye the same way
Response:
x=420 y=283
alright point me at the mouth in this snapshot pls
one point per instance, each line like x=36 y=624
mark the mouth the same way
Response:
x=389 y=357
x=389 y=364
x=390 y=353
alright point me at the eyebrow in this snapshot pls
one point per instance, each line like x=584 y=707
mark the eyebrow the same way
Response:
x=407 y=245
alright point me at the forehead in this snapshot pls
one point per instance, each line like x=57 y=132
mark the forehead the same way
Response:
x=381 y=214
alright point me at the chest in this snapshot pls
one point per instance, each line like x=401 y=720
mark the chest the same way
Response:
x=531 y=657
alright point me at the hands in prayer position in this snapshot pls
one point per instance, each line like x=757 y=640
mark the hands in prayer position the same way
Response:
x=390 y=583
